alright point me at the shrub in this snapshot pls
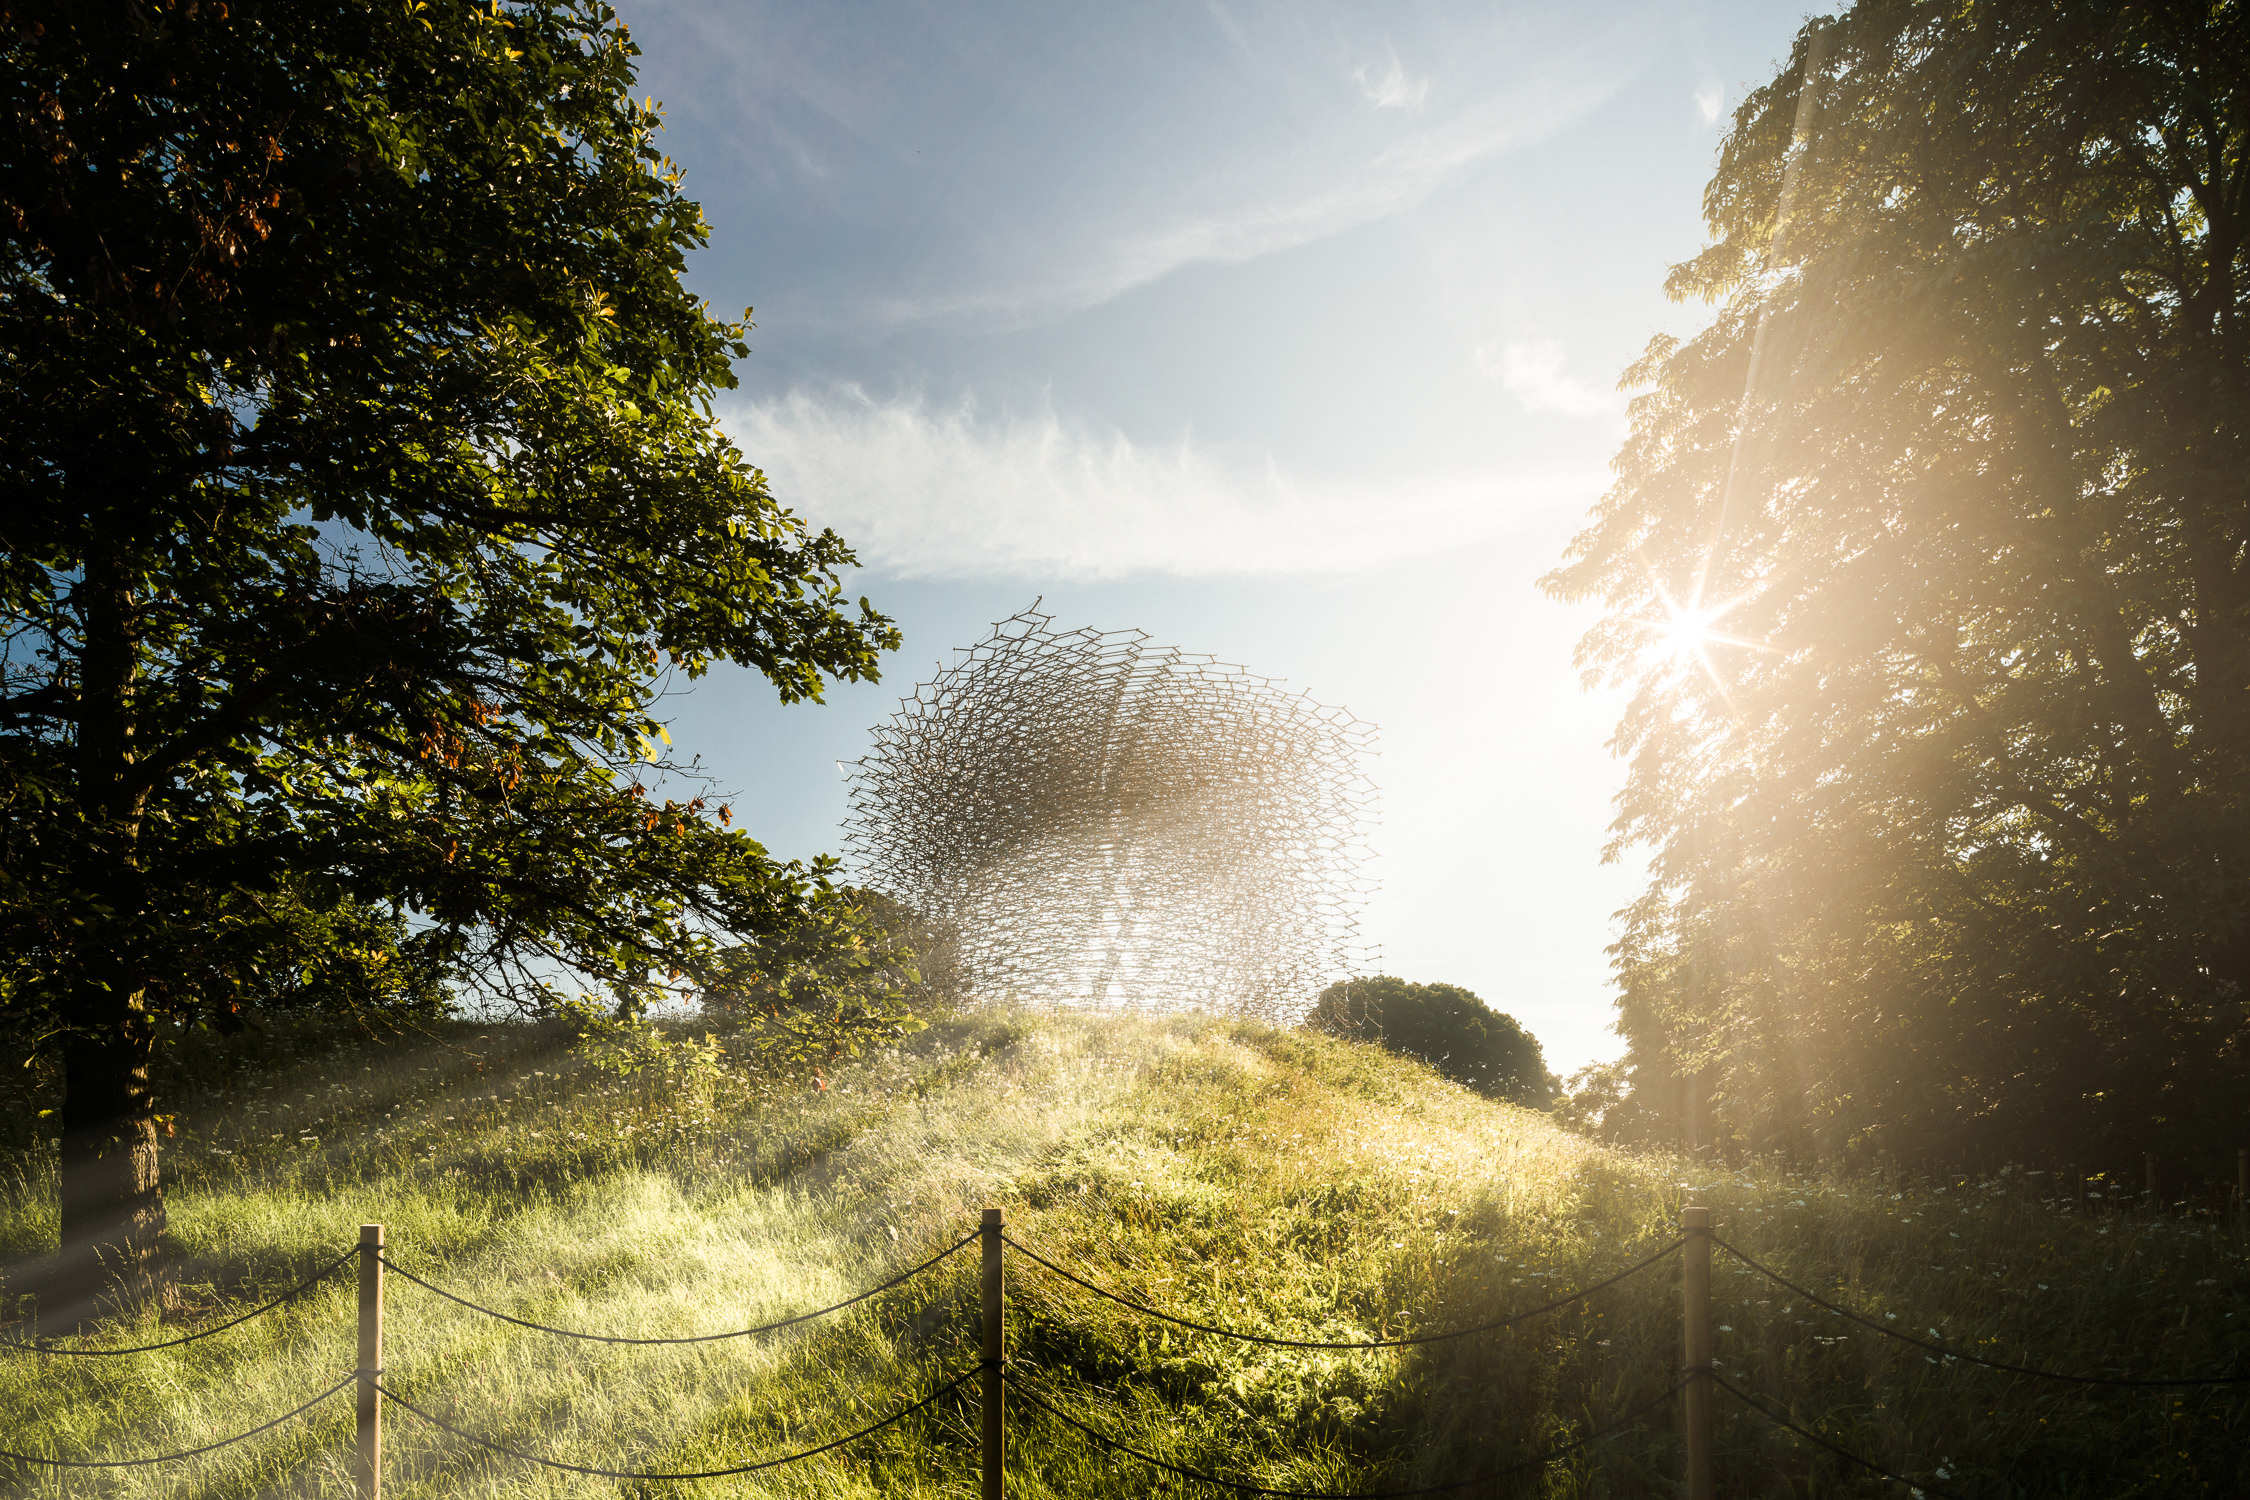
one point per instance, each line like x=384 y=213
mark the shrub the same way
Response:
x=1445 y=1026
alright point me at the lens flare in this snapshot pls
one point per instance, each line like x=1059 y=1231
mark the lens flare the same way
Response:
x=1689 y=633
x=1684 y=633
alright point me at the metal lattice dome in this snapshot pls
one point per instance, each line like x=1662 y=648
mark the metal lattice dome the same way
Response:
x=1105 y=823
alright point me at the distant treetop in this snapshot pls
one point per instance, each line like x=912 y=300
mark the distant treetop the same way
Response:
x=1445 y=1026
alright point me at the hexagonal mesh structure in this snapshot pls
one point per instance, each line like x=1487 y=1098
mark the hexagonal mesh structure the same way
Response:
x=1101 y=822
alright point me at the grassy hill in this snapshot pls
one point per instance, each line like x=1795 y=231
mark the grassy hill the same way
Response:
x=1235 y=1175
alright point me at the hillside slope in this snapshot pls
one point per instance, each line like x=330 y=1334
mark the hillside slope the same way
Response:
x=1258 y=1180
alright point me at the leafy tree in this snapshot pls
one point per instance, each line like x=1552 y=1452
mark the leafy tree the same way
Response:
x=850 y=974
x=1941 y=633
x=361 y=493
x=1590 y=1102
x=1443 y=1025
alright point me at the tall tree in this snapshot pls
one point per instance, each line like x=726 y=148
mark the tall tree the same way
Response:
x=1941 y=633
x=359 y=490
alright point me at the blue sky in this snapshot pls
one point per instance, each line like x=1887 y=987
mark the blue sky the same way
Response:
x=1288 y=333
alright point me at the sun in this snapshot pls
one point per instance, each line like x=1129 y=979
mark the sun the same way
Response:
x=1686 y=634
x=1689 y=634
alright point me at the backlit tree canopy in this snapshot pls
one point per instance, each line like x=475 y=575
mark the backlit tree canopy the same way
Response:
x=1941 y=737
x=358 y=491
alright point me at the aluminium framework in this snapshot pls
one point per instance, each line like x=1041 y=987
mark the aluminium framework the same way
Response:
x=1101 y=822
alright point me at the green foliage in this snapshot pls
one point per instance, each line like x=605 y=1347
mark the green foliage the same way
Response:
x=363 y=496
x=1445 y=1026
x=1590 y=1101
x=1948 y=781
x=920 y=956
x=827 y=987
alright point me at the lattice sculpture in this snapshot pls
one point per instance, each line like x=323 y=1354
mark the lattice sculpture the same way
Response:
x=1109 y=824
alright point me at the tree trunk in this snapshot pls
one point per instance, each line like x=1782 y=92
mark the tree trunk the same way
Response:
x=112 y=1198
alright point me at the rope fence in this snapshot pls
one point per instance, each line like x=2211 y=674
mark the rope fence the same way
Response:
x=1245 y=1487
x=772 y=1463
x=173 y=1458
x=1404 y=1343
x=1698 y=1378
x=1917 y=1486
x=41 y=1346
x=700 y=1338
x=1976 y=1359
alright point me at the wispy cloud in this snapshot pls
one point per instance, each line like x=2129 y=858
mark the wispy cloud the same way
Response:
x=926 y=490
x=1396 y=178
x=1533 y=373
x=1391 y=88
x=1011 y=164
x=1711 y=101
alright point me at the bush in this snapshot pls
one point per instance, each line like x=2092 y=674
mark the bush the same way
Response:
x=1445 y=1026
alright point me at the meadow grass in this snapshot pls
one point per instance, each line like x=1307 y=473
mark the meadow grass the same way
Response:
x=1235 y=1175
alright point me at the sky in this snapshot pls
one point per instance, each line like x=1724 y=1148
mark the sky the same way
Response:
x=1287 y=333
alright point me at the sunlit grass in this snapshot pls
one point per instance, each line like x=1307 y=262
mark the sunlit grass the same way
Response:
x=1255 y=1179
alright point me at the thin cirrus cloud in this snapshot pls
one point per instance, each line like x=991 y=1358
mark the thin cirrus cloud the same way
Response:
x=1392 y=88
x=925 y=490
x=1227 y=222
x=1533 y=373
x=1006 y=164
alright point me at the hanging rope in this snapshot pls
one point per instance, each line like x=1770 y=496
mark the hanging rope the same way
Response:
x=42 y=1347
x=1991 y=1364
x=1425 y=1338
x=1247 y=1488
x=771 y=1463
x=1918 y=1486
x=700 y=1338
x=171 y=1458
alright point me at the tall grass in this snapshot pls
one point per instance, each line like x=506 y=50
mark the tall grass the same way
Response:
x=1234 y=1175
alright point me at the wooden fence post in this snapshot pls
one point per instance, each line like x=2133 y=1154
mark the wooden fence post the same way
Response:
x=994 y=1433
x=367 y=1469
x=1695 y=1315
